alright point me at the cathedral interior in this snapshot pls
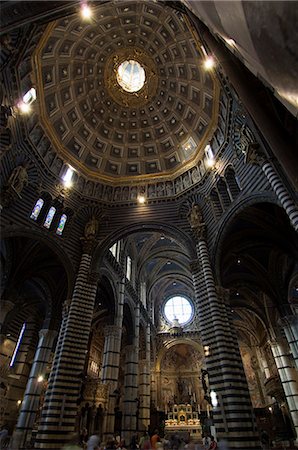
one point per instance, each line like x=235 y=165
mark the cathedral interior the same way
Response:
x=149 y=159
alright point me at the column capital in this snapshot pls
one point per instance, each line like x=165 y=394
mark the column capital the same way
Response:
x=65 y=307
x=111 y=330
x=194 y=266
x=223 y=294
x=289 y=320
x=44 y=332
x=94 y=277
x=88 y=244
x=196 y=221
x=254 y=155
x=130 y=349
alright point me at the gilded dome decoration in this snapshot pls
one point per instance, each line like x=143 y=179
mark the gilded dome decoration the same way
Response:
x=107 y=128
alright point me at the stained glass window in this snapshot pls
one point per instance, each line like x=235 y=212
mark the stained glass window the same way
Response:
x=37 y=208
x=61 y=225
x=50 y=216
x=13 y=358
x=128 y=267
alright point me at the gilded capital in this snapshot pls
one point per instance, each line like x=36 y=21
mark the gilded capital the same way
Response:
x=254 y=155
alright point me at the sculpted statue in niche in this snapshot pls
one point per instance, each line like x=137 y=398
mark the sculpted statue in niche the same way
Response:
x=88 y=188
x=178 y=185
x=49 y=155
x=81 y=184
x=186 y=180
x=16 y=182
x=195 y=216
x=108 y=193
x=117 y=193
x=57 y=165
x=160 y=189
x=91 y=228
x=125 y=193
x=133 y=193
x=18 y=179
x=244 y=138
x=151 y=191
x=98 y=190
x=195 y=175
x=169 y=188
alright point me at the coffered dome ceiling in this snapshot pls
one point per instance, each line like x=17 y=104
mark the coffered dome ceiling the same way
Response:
x=108 y=133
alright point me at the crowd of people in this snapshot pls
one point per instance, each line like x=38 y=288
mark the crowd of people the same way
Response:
x=144 y=442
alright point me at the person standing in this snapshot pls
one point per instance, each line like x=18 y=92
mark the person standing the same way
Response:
x=206 y=442
x=154 y=439
x=213 y=444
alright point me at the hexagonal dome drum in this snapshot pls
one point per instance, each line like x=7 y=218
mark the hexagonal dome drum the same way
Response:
x=156 y=128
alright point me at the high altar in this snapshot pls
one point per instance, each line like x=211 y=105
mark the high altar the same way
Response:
x=182 y=418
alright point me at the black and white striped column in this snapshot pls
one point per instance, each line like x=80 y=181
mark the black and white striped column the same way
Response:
x=110 y=373
x=289 y=379
x=58 y=420
x=131 y=382
x=111 y=360
x=290 y=326
x=30 y=403
x=254 y=156
x=233 y=417
x=129 y=423
x=144 y=385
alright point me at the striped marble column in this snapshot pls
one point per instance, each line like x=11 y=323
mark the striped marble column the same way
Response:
x=30 y=403
x=130 y=403
x=58 y=419
x=233 y=417
x=129 y=424
x=111 y=360
x=110 y=373
x=254 y=156
x=144 y=386
x=290 y=326
x=289 y=379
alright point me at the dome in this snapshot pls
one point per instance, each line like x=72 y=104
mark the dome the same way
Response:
x=124 y=97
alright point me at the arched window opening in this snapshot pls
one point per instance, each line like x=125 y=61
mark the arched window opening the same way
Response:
x=37 y=209
x=223 y=192
x=50 y=216
x=232 y=182
x=215 y=202
x=61 y=225
x=128 y=267
x=19 y=341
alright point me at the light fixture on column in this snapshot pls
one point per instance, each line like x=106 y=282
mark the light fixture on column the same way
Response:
x=141 y=197
x=206 y=350
x=40 y=379
x=214 y=400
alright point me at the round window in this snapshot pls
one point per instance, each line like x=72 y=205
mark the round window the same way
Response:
x=180 y=308
x=131 y=76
